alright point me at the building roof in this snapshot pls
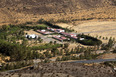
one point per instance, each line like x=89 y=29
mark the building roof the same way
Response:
x=65 y=33
x=60 y=37
x=44 y=32
x=74 y=37
x=63 y=38
x=56 y=30
x=31 y=36
x=57 y=38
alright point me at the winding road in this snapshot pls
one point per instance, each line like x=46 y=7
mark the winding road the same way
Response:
x=94 y=61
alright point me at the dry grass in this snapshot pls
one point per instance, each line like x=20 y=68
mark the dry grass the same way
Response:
x=94 y=28
x=18 y=11
x=105 y=28
x=107 y=56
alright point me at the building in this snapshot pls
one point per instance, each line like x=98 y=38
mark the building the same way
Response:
x=72 y=35
x=63 y=38
x=115 y=68
x=82 y=38
x=60 y=30
x=33 y=36
x=60 y=38
x=44 y=32
x=56 y=30
x=65 y=34
x=69 y=35
x=51 y=29
x=55 y=37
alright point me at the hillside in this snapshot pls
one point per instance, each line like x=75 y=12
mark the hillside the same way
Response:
x=20 y=11
x=65 y=70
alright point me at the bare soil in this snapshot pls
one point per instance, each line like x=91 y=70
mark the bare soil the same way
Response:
x=108 y=56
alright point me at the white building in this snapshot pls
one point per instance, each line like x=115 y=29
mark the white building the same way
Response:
x=56 y=30
x=73 y=35
x=58 y=36
x=82 y=38
x=33 y=36
x=43 y=30
x=52 y=29
x=60 y=30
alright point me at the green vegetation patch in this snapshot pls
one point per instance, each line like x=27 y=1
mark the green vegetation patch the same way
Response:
x=88 y=40
x=15 y=65
x=41 y=21
x=14 y=50
x=42 y=25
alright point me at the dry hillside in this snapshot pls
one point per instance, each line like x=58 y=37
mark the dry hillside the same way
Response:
x=65 y=70
x=19 y=11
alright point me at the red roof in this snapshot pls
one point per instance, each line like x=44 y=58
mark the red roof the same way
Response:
x=58 y=38
x=48 y=28
x=72 y=34
x=63 y=38
x=44 y=32
x=65 y=33
x=74 y=37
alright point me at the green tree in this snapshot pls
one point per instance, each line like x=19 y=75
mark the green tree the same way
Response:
x=66 y=45
x=51 y=42
x=100 y=37
x=46 y=61
x=114 y=50
x=106 y=38
x=58 y=59
x=55 y=42
x=54 y=51
x=14 y=50
x=5 y=27
x=103 y=38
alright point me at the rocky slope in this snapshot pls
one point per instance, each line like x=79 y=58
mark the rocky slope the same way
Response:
x=65 y=70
